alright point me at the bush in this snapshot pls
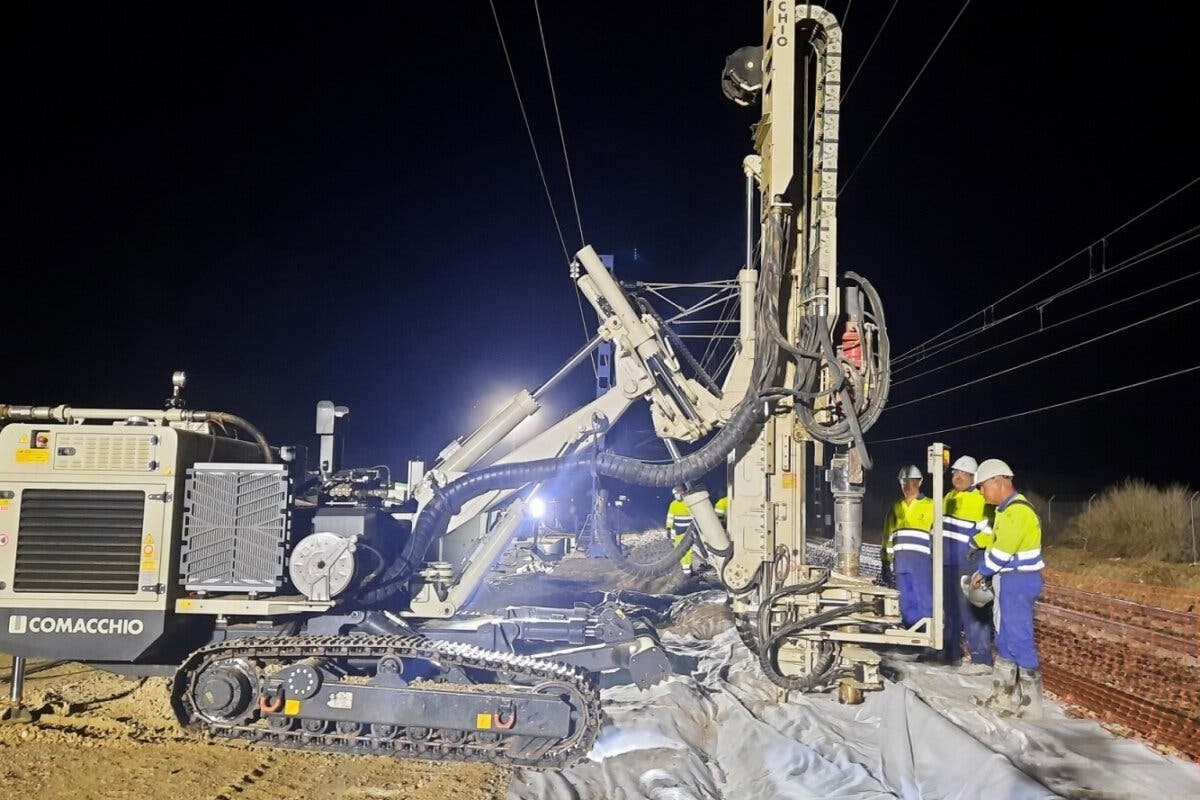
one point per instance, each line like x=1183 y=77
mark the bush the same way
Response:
x=1135 y=520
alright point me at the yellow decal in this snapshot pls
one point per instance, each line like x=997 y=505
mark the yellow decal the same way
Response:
x=291 y=707
x=24 y=438
x=149 y=560
x=4 y=504
x=789 y=480
x=184 y=603
x=29 y=455
x=483 y=721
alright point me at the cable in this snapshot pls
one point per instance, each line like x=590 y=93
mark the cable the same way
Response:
x=1023 y=364
x=1044 y=329
x=1155 y=250
x=1043 y=408
x=1037 y=278
x=529 y=129
x=561 y=136
x=904 y=97
x=863 y=63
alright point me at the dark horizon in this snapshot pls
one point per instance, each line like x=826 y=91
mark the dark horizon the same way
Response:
x=295 y=206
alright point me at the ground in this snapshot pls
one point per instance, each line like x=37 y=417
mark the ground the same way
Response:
x=1122 y=576
x=102 y=736
x=111 y=737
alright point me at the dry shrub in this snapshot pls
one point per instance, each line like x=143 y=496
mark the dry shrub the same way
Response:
x=1136 y=520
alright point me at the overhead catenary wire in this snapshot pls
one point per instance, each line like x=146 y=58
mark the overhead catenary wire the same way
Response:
x=529 y=130
x=861 y=64
x=1050 y=407
x=1051 y=326
x=558 y=118
x=901 y=363
x=1047 y=272
x=904 y=97
x=541 y=170
x=1041 y=358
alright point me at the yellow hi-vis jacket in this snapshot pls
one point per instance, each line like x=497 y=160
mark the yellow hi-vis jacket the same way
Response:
x=1018 y=543
x=679 y=520
x=722 y=508
x=967 y=518
x=907 y=527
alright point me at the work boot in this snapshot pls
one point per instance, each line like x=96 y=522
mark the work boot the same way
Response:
x=973 y=668
x=1030 y=706
x=1004 y=697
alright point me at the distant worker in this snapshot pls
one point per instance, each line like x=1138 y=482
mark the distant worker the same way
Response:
x=1014 y=564
x=722 y=509
x=679 y=522
x=906 y=547
x=965 y=523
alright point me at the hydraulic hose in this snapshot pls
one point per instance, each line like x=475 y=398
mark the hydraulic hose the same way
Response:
x=768 y=653
x=239 y=422
x=652 y=569
x=449 y=499
x=680 y=348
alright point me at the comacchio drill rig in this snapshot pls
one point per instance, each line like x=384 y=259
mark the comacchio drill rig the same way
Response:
x=322 y=609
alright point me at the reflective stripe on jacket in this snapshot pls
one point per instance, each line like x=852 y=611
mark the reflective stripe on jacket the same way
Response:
x=1018 y=539
x=679 y=517
x=961 y=515
x=907 y=526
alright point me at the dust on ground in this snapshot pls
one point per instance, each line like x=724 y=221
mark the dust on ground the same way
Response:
x=103 y=736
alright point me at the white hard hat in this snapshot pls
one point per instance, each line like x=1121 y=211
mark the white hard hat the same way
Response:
x=992 y=468
x=965 y=464
x=978 y=597
x=908 y=472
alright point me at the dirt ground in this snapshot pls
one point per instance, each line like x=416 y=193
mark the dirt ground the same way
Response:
x=105 y=737
x=1158 y=583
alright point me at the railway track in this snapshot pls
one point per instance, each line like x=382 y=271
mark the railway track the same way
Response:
x=1126 y=663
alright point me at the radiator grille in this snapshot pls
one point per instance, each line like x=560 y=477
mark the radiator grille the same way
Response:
x=79 y=540
x=235 y=525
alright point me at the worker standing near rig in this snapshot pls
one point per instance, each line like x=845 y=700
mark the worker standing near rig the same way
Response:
x=679 y=522
x=965 y=521
x=1014 y=564
x=907 y=540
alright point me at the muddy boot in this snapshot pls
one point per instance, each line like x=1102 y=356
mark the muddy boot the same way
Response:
x=1004 y=688
x=1031 y=694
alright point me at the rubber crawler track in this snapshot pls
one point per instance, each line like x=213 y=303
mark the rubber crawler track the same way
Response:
x=583 y=696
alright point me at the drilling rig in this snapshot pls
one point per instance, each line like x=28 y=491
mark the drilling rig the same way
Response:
x=323 y=609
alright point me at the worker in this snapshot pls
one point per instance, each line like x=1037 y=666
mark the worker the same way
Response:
x=964 y=519
x=1013 y=563
x=679 y=522
x=722 y=509
x=906 y=541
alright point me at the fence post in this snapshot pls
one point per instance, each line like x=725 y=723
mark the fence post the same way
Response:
x=1192 y=515
x=1050 y=512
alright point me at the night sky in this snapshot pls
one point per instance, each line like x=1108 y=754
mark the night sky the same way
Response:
x=295 y=203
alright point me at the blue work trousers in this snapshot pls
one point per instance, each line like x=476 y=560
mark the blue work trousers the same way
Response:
x=962 y=617
x=914 y=580
x=976 y=622
x=1016 y=592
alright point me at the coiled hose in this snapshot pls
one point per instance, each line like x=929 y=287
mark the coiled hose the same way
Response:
x=825 y=667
